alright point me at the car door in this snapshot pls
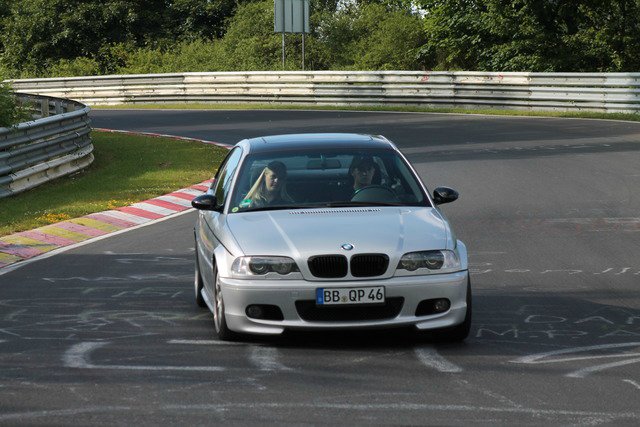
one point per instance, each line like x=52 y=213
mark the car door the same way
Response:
x=210 y=221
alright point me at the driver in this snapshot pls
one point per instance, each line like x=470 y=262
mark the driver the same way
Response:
x=362 y=170
x=362 y=173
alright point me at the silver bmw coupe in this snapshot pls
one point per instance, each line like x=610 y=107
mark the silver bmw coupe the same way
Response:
x=327 y=231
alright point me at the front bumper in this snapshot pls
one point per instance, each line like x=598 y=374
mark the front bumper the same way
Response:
x=238 y=294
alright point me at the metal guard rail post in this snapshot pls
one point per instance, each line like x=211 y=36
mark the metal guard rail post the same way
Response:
x=56 y=143
x=598 y=92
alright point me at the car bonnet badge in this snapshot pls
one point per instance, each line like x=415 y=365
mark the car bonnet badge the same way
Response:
x=347 y=246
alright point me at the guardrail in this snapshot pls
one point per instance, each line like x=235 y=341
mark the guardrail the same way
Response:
x=601 y=92
x=54 y=144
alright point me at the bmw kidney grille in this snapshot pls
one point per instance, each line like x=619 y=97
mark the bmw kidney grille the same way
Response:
x=336 y=266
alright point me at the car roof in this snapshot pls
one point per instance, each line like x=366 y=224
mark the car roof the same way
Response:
x=307 y=141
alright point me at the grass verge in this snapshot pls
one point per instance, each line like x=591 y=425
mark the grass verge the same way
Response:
x=126 y=169
x=409 y=109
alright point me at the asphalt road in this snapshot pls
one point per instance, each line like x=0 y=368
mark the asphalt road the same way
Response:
x=108 y=333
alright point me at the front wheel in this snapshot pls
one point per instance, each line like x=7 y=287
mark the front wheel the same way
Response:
x=197 y=284
x=219 y=320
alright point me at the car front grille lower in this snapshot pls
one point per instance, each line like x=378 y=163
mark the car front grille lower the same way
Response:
x=337 y=266
x=309 y=311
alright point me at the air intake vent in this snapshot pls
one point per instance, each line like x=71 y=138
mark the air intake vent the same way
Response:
x=332 y=211
x=309 y=311
x=369 y=265
x=328 y=266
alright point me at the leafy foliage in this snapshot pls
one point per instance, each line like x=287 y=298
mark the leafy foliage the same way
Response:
x=37 y=34
x=10 y=112
x=532 y=35
x=369 y=37
x=85 y=37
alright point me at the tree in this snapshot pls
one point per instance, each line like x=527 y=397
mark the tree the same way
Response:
x=38 y=33
x=532 y=35
x=371 y=36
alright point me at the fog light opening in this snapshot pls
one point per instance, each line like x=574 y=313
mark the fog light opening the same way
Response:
x=255 y=311
x=429 y=307
x=441 y=305
x=264 y=312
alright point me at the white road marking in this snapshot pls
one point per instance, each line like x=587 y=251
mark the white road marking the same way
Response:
x=206 y=342
x=581 y=373
x=63 y=412
x=632 y=382
x=430 y=357
x=538 y=358
x=603 y=356
x=78 y=357
x=266 y=359
x=535 y=412
x=410 y=407
x=11 y=316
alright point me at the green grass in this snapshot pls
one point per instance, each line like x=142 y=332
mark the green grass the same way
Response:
x=126 y=169
x=494 y=112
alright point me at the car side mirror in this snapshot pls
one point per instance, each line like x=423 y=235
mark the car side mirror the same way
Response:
x=205 y=202
x=442 y=195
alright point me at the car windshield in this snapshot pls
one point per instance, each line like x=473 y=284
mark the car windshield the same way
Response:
x=332 y=178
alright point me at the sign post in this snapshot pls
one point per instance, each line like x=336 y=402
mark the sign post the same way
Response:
x=291 y=16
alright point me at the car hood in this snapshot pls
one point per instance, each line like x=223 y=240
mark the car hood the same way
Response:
x=307 y=232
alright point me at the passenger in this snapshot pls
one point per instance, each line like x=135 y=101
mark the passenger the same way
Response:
x=270 y=189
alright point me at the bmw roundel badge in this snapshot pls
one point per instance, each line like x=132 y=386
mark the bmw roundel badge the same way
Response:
x=347 y=246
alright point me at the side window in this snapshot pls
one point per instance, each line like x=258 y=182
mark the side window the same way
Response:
x=222 y=183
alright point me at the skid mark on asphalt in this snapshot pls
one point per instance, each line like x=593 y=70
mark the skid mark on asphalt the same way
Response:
x=263 y=358
x=583 y=416
x=487 y=392
x=581 y=373
x=62 y=412
x=547 y=357
x=633 y=383
x=430 y=358
x=266 y=359
x=207 y=342
x=78 y=357
x=534 y=412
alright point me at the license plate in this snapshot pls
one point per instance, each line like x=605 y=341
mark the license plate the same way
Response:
x=337 y=296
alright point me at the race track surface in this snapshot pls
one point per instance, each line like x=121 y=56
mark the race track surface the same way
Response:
x=108 y=333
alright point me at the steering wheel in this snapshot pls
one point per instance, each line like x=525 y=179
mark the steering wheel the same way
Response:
x=374 y=193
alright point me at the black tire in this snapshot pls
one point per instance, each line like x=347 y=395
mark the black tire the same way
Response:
x=219 y=319
x=198 y=284
x=459 y=332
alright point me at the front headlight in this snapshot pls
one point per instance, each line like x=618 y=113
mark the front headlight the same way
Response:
x=428 y=262
x=262 y=266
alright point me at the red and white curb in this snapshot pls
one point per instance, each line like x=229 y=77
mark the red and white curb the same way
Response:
x=35 y=243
